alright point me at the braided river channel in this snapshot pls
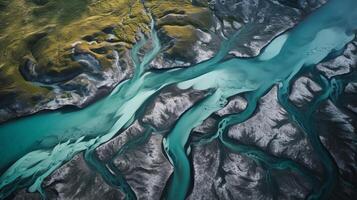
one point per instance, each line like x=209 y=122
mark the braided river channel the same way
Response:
x=33 y=147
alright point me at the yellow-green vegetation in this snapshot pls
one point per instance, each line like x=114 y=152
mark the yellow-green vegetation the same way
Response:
x=180 y=20
x=43 y=33
x=44 y=30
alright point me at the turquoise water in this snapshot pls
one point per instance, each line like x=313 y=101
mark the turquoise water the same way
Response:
x=33 y=147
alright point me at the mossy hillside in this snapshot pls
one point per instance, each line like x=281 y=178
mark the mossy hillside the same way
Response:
x=185 y=37
x=50 y=30
x=44 y=31
x=39 y=38
x=179 y=20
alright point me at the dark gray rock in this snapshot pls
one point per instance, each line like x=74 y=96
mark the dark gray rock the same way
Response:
x=271 y=130
x=108 y=150
x=337 y=131
x=342 y=64
x=209 y=125
x=259 y=21
x=303 y=91
x=220 y=174
x=235 y=105
x=74 y=180
x=169 y=105
x=350 y=94
x=145 y=168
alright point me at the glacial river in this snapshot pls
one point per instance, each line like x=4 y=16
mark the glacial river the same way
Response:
x=33 y=147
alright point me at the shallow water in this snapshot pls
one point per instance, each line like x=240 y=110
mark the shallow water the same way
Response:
x=33 y=147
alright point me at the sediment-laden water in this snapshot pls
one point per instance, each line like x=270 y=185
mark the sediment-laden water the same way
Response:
x=33 y=147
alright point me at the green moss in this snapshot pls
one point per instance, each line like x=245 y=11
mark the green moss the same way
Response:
x=180 y=20
x=3 y=4
x=44 y=31
x=185 y=37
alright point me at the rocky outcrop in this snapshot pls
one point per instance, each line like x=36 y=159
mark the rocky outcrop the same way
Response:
x=303 y=91
x=76 y=61
x=74 y=180
x=136 y=157
x=220 y=174
x=258 y=22
x=342 y=64
x=169 y=106
x=193 y=35
x=271 y=130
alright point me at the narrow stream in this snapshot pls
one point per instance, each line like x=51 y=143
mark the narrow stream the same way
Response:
x=37 y=145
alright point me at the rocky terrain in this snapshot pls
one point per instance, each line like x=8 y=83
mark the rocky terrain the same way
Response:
x=58 y=53
x=81 y=55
